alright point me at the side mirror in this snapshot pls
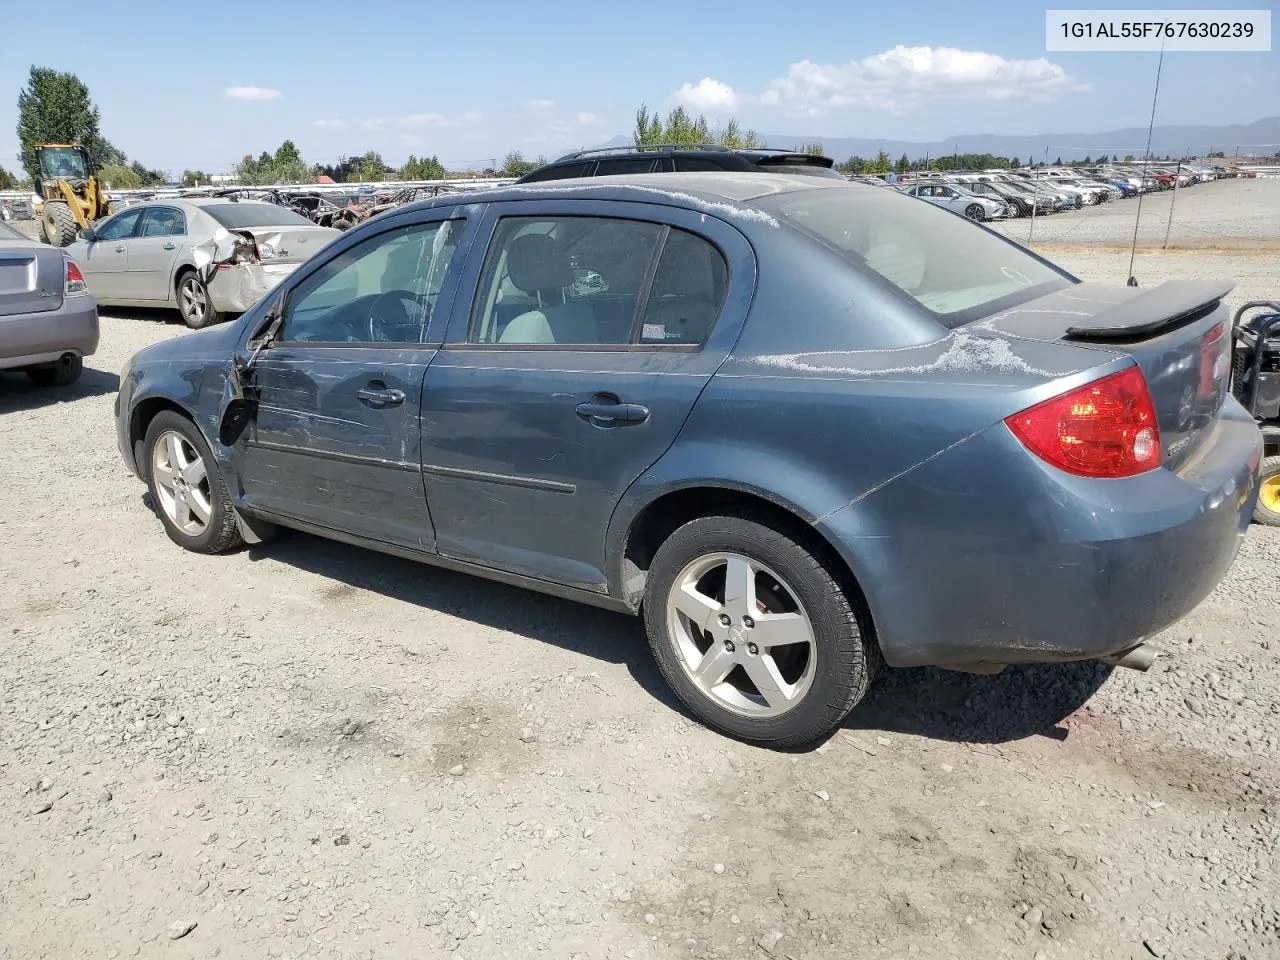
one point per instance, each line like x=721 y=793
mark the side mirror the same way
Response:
x=87 y=233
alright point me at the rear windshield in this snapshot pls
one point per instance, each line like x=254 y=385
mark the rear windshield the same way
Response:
x=953 y=268
x=239 y=216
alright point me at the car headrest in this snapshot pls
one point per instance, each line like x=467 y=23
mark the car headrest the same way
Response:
x=536 y=262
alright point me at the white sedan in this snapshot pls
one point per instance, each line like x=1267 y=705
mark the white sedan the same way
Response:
x=960 y=200
x=205 y=257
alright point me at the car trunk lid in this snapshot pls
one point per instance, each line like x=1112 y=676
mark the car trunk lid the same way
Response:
x=1175 y=332
x=32 y=278
x=290 y=244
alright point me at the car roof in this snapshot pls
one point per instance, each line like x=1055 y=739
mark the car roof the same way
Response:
x=692 y=190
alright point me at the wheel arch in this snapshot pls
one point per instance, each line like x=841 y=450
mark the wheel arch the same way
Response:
x=140 y=417
x=636 y=539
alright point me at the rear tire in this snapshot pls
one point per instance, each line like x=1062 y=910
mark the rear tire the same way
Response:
x=1267 y=512
x=739 y=667
x=194 y=303
x=61 y=373
x=59 y=223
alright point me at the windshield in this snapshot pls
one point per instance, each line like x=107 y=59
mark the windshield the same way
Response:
x=62 y=163
x=954 y=269
x=248 y=213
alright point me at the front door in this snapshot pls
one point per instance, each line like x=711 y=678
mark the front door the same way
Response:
x=593 y=329
x=160 y=239
x=335 y=441
x=105 y=260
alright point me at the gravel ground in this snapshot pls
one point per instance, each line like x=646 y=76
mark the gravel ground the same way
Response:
x=309 y=750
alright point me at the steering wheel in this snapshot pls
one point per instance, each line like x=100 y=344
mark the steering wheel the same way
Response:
x=383 y=317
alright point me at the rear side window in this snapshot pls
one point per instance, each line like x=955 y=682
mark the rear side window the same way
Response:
x=563 y=171
x=698 y=165
x=618 y=166
x=688 y=291
x=951 y=267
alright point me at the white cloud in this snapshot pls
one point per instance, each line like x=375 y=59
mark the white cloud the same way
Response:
x=707 y=95
x=253 y=93
x=905 y=76
x=539 y=104
x=376 y=124
x=586 y=119
x=334 y=124
x=426 y=120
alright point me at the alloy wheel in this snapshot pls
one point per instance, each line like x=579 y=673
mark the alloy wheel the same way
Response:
x=195 y=301
x=741 y=635
x=181 y=483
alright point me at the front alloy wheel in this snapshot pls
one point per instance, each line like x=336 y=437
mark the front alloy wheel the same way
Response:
x=975 y=212
x=182 y=483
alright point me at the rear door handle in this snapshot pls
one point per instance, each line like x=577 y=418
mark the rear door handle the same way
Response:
x=120 y=249
x=379 y=397
x=612 y=412
x=168 y=246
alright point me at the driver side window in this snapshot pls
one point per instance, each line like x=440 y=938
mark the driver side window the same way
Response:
x=382 y=290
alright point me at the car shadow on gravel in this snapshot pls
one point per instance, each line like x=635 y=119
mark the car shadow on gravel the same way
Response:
x=1021 y=702
x=577 y=627
x=18 y=393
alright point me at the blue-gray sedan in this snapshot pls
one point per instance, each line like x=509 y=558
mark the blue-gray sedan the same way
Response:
x=48 y=320
x=802 y=426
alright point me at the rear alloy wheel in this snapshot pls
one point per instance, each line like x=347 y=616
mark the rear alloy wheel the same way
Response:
x=62 y=372
x=194 y=303
x=974 y=211
x=754 y=632
x=1267 y=511
x=187 y=488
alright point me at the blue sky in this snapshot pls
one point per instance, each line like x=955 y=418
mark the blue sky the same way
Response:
x=200 y=87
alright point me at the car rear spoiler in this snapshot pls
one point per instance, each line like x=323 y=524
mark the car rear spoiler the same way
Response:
x=1167 y=305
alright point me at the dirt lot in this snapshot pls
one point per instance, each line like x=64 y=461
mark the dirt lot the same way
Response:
x=306 y=749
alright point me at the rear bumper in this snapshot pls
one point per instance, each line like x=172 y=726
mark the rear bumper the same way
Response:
x=1018 y=562
x=28 y=338
x=235 y=288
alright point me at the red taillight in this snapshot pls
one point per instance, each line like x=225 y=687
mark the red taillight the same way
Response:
x=1213 y=359
x=1106 y=428
x=74 y=279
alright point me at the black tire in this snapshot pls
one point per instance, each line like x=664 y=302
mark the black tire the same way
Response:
x=342 y=224
x=220 y=532
x=194 y=304
x=975 y=212
x=845 y=650
x=61 y=373
x=1267 y=512
x=59 y=223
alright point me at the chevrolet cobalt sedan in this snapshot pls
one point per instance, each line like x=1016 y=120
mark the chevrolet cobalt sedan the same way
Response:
x=801 y=426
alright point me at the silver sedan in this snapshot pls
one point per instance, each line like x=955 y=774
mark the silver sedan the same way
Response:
x=959 y=200
x=205 y=257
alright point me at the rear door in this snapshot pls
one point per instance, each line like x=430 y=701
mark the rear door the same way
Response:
x=534 y=425
x=161 y=238
x=335 y=442
x=105 y=260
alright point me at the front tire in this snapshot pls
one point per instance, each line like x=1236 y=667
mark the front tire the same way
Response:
x=61 y=373
x=1267 y=512
x=975 y=213
x=755 y=632
x=59 y=224
x=194 y=302
x=187 y=488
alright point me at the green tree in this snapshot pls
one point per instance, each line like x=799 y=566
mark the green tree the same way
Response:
x=515 y=165
x=682 y=128
x=194 y=178
x=903 y=164
x=7 y=180
x=1128 y=158
x=55 y=107
x=116 y=176
x=369 y=168
x=1015 y=163
x=813 y=149
x=422 y=168
x=149 y=178
x=854 y=165
x=881 y=164
x=287 y=152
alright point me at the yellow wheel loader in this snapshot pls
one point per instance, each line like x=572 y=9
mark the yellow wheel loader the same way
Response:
x=73 y=198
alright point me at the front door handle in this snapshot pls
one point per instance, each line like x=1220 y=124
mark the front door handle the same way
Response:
x=380 y=396
x=607 y=410
x=120 y=249
x=168 y=246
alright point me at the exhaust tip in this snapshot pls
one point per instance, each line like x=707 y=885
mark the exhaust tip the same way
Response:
x=1136 y=658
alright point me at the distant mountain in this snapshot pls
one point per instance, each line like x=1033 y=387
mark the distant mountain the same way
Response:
x=1262 y=136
